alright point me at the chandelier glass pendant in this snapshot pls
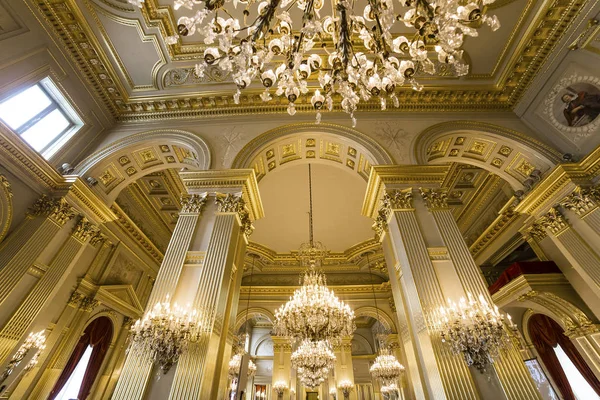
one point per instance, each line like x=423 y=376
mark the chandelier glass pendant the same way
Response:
x=348 y=53
x=474 y=329
x=163 y=334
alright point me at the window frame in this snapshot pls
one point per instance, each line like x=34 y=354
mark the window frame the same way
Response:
x=58 y=101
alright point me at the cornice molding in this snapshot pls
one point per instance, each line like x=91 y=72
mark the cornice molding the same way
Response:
x=65 y=18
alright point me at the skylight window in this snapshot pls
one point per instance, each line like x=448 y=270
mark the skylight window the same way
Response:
x=41 y=116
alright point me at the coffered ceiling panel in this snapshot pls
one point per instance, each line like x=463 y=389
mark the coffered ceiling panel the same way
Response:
x=120 y=51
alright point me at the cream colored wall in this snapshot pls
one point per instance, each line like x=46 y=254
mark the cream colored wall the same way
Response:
x=29 y=55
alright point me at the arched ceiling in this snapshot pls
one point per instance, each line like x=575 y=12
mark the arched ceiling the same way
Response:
x=337 y=201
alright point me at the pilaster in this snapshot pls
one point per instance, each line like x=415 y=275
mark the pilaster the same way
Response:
x=20 y=250
x=344 y=370
x=282 y=361
x=43 y=291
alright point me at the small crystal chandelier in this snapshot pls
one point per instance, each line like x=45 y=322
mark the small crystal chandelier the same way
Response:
x=314 y=312
x=474 y=329
x=343 y=53
x=164 y=333
x=346 y=387
x=279 y=387
x=33 y=341
x=390 y=391
x=333 y=393
x=313 y=360
x=251 y=369
x=386 y=367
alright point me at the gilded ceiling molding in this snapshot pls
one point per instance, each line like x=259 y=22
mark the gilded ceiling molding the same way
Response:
x=70 y=26
x=6 y=206
x=309 y=142
x=377 y=314
x=507 y=153
x=121 y=163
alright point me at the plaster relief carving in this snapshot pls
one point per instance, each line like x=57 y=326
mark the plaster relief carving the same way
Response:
x=56 y=209
x=6 y=206
x=193 y=204
x=123 y=272
x=582 y=200
x=435 y=199
x=231 y=203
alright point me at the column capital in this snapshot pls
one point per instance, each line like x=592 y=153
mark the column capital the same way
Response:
x=238 y=181
x=435 y=199
x=582 y=200
x=193 y=203
x=536 y=231
x=84 y=230
x=57 y=209
x=234 y=203
x=555 y=221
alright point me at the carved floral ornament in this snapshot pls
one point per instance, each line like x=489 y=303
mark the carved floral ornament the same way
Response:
x=193 y=204
x=57 y=209
x=582 y=200
x=435 y=199
x=234 y=203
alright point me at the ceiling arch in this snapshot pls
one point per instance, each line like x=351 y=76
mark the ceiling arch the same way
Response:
x=507 y=153
x=124 y=161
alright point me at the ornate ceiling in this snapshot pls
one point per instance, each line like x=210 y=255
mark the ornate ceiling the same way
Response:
x=122 y=53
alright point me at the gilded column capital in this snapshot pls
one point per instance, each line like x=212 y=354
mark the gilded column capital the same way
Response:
x=98 y=238
x=231 y=203
x=582 y=200
x=193 y=204
x=536 y=231
x=84 y=229
x=56 y=209
x=399 y=199
x=88 y=304
x=435 y=199
x=555 y=221
x=75 y=299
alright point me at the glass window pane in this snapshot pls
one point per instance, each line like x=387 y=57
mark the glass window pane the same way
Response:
x=49 y=127
x=71 y=388
x=581 y=388
x=21 y=108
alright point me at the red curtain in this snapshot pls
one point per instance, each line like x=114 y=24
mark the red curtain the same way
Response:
x=97 y=334
x=546 y=334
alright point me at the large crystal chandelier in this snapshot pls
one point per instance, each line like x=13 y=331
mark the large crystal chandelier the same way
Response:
x=163 y=334
x=313 y=360
x=347 y=53
x=474 y=329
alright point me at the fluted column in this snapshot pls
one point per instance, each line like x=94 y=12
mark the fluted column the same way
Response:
x=43 y=291
x=21 y=249
x=512 y=372
x=393 y=343
x=136 y=372
x=216 y=291
x=344 y=370
x=584 y=203
x=579 y=262
x=282 y=362
x=436 y=373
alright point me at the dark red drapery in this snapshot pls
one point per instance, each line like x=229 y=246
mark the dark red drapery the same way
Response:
x=97 y=334
x=546 y=334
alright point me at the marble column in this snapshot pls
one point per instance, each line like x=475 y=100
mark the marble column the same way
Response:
x=579 y=262
x=432 y=262
x=344 y=370
x=282 y=364
x=44 y=290
x=229 y=202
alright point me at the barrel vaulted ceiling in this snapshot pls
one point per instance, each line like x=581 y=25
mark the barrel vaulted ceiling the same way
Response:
x=122 y=53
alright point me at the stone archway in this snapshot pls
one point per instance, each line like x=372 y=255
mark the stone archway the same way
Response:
x=507 y=153
x=378 y=315
x=253 y=312
x=324 y=143
x=117 y=165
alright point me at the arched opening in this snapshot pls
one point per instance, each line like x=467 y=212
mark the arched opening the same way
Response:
x=570 y=373
x=85 y=362
x=504 y=152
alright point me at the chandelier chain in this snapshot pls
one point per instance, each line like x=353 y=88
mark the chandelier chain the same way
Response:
x=310 y=209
